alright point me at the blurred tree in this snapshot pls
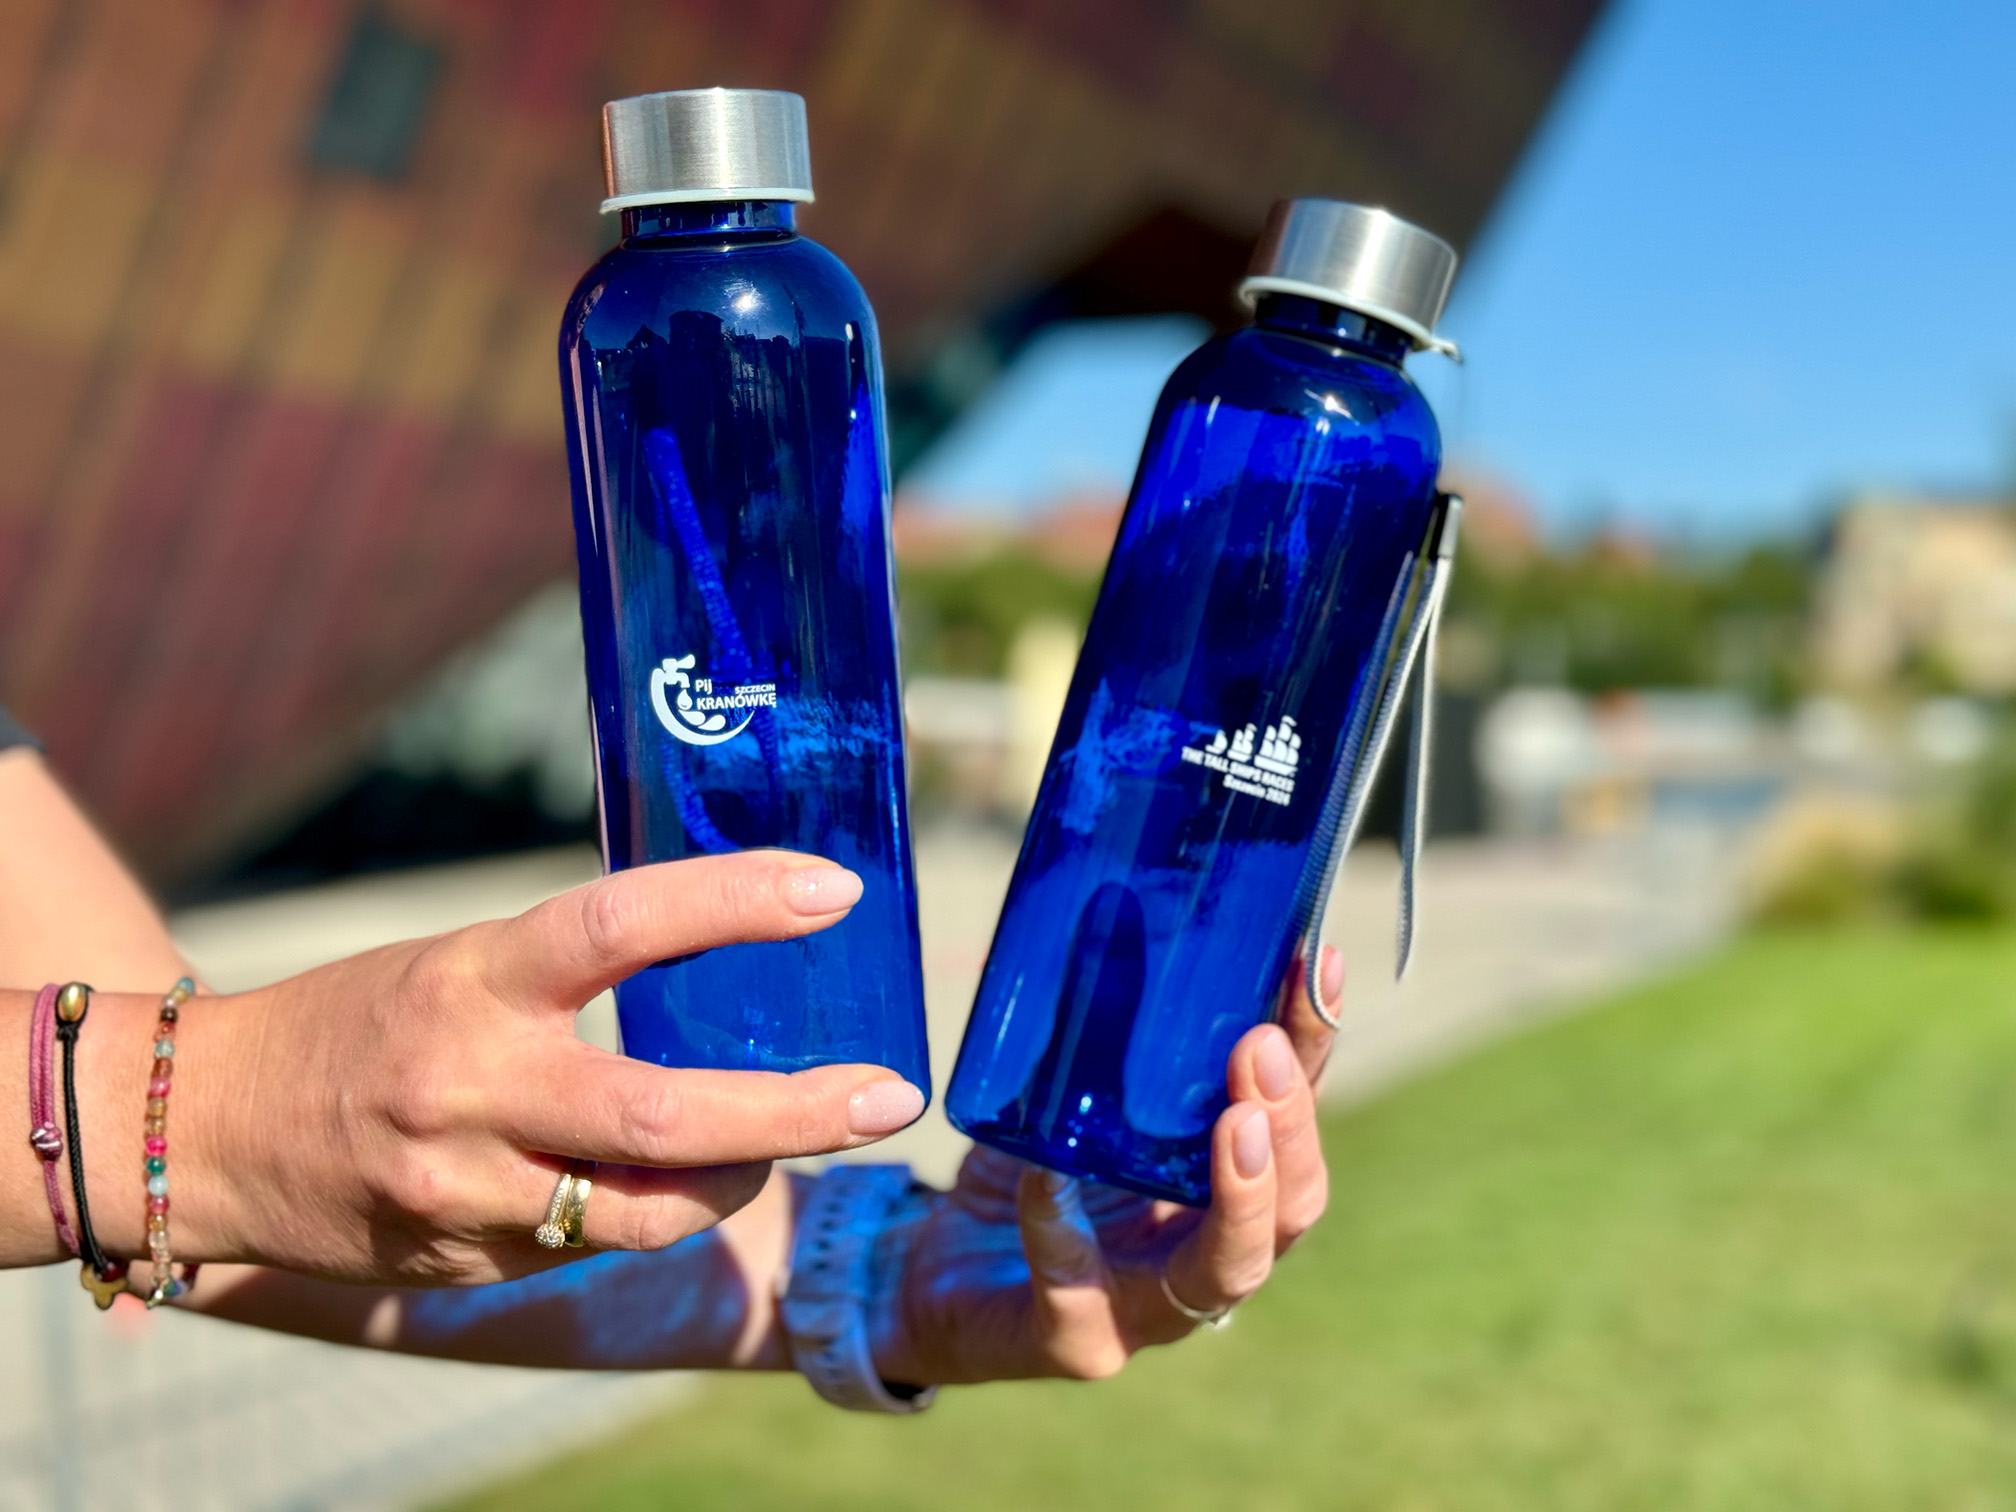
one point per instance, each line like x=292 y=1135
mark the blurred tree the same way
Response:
x=1614 y=614
x=959 y=618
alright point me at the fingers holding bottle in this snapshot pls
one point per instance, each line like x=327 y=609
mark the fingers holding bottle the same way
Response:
x=1311 y=1033
x=1074 y=1324
x=578 y=1101
x=1265 y=1069
x=1230 y=1254
x=415 y=1088
x=567 y=949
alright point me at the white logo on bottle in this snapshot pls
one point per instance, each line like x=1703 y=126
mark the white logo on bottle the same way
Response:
x=1266 y=773
x=695 y=712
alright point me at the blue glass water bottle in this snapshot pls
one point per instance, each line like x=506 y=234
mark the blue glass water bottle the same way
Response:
x=723 y=395
x=1276 y=580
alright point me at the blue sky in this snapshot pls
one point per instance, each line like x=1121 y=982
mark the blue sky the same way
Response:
x=1760 y=254
x=1067 y=417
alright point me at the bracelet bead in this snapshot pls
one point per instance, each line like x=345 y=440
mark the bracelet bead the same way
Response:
x=165 y=1283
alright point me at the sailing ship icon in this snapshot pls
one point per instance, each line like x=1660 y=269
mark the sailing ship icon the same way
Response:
x=1280 y=748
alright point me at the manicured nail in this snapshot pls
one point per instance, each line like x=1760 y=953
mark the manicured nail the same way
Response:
x=821 y=889
x=1252 y=1144
x=1330 y=972
x=883 y=1107
x=1274 y=1067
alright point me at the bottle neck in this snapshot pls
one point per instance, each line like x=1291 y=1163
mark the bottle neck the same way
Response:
x=711 y=221
x=1334 y=325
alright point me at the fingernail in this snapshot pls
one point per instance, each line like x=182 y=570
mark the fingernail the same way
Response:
x=1330 y=972
x=821 y=889
x=883 y=1107
x=1252 y=1144
x=1274 y=1067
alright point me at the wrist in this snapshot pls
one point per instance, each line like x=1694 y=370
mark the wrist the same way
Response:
x=115 y=1060
x=758 y=1238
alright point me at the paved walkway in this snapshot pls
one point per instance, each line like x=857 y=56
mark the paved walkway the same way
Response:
x=175 y=1412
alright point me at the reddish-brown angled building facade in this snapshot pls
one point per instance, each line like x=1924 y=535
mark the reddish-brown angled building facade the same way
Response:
x=279 y=282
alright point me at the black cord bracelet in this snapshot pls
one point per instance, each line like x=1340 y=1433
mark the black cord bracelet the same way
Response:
x=102 y=1276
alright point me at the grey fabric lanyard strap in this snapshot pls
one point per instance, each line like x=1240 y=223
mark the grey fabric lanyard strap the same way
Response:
x=1406 y=649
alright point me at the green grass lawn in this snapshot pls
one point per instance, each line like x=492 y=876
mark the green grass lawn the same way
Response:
x=1746 y=1239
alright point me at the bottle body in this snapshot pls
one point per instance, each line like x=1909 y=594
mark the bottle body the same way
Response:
x=722 y=391
x=1164 y=880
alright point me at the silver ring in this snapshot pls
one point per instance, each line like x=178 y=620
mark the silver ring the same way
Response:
x=1216 y=1319
x=1331 y=1021
x=1312 y=988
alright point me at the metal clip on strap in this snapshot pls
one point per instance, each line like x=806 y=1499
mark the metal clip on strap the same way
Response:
x=1409 y=656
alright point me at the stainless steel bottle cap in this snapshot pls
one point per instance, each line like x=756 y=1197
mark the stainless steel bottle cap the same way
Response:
x=1366 y=260
x=705 y=144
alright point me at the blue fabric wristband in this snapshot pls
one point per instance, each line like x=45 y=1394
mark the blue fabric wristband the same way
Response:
x=824 y=1293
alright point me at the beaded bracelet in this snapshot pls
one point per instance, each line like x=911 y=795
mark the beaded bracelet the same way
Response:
x=166 y=1284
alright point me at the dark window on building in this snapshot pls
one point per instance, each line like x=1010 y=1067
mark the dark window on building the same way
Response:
x=378 y=100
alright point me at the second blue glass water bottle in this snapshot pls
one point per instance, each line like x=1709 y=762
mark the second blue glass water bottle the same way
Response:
x=723 y=397
x=1276 y=574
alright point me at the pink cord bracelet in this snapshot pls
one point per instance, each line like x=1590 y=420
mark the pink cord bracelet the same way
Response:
x=45 y=1130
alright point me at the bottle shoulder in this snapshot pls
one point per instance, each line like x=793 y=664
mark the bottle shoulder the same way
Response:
x=789 y=287
x=1260 y=369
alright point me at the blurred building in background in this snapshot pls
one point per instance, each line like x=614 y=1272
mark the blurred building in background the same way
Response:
x=1922 y=589
x=278 y=284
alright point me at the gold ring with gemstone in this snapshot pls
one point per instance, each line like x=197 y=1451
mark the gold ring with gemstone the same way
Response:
x=553 y=1232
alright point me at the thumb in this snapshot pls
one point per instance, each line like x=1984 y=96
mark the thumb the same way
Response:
x=1071 y=1288
x=569 y=948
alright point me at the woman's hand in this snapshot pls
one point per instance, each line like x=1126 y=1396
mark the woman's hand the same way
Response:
x=1019 y=1272
x=1010 y=1274
x=402 y=1116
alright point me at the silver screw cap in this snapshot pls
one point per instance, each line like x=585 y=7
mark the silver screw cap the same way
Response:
x=705 y=144
x=1364 y=259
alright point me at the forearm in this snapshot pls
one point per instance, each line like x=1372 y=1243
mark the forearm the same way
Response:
x=68 y=909
x=706 y=1303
